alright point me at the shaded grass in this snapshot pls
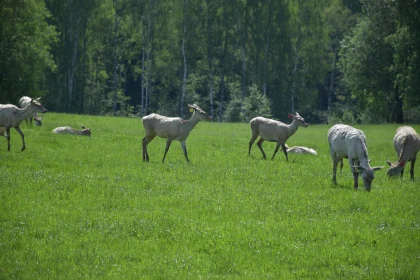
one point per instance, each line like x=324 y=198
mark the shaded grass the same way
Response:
x=74 y=207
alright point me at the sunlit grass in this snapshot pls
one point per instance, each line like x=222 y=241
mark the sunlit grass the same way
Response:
x=79 y=207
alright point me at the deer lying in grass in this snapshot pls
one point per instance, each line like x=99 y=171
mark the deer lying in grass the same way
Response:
x=348 y=142
x=69 y=130
x=407 y=145
x=12 y=116
x=300 y=150
x=23 y=102
x=171 y=129
x=274 y=131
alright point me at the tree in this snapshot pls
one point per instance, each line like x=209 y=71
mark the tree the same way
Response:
x=25 y=49
x=367 y=59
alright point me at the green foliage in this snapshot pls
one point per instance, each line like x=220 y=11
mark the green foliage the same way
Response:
x=378 y=60
x=76 y=207
x=254 y=105
x=25 y=49
x=301 y=55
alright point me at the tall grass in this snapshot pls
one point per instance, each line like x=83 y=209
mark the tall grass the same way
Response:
x=77 y=207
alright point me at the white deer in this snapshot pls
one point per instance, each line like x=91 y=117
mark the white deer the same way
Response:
x=12 y=116
x=348 y=142
x=23 y=102
x=171 y=129
x=274 y=131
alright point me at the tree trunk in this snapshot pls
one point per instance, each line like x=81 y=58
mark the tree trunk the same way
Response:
x=143 y=85
x=331 y=83
x=184 y=77
x=114 y=99
x=148 y=57
x=294 y=77
x=243 y=52
x=210 y=56
x=73 y=66
x=222 y=75
x=267 y=43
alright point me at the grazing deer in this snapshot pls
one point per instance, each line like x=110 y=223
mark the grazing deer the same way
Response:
x=348 y=142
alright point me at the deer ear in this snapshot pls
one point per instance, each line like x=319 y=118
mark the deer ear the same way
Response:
x=389 y=163
x=376 y=168
x=83 y=127
x=290 y=116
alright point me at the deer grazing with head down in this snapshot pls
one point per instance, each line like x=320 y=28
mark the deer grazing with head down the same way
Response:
x=171 y=129
x=407 y=145
x=348 y=142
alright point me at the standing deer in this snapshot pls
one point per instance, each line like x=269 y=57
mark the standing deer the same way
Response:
x=171 y=129
x=12 y=116
x=274 y=131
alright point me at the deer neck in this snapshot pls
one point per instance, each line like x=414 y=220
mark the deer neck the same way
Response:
x=24 y=113
x=293 y=127
x=192 y=122
x=363 y=156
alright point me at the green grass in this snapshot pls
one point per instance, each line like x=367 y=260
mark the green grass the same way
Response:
x=76 y=207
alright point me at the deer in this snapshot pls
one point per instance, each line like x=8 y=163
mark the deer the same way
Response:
x=348 y=142
x=407 y=145
x=12 y=116
x=23 y=102
x=274 y=131
x=171 y=128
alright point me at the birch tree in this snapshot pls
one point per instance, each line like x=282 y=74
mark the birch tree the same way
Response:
x=184 y=58
x=115 y=79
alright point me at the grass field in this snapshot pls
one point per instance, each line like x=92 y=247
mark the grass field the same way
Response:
x=77 y=207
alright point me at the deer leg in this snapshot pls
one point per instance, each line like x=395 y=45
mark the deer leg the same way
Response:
x=184 y=148
x=283 y=146
x=341 y=165
x=144 y=145
x=253 y=138
x=23 y=137
x=356 y=180
x=259 y=144
x=335 y=161
x=146 y=140
x=8 y=138
x=168 y=144
x=352 y=163
x=275 y=150
x=412 y=169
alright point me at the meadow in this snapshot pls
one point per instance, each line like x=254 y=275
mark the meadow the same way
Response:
x=74 y=207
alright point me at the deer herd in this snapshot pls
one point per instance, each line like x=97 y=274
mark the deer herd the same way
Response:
x=344 y=141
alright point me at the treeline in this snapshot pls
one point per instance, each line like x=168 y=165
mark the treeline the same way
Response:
x=330 y=60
